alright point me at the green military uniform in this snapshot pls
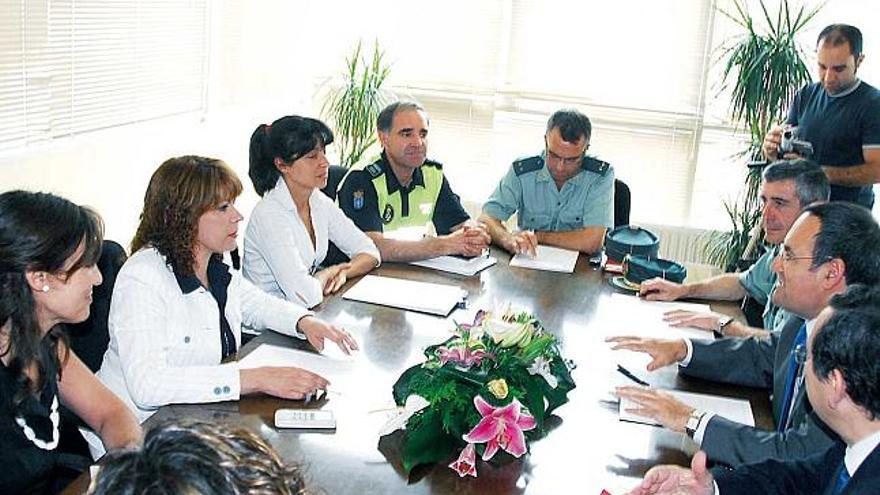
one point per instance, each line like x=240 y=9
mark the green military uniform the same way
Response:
x=528 y=189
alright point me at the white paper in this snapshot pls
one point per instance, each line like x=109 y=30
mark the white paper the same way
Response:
x=437 y=299
x=624 y=314
x=552 y=259
x=738 y=410
x=457 y=265
x=337 y=370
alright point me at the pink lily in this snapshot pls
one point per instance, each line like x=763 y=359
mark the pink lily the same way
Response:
x=466 y=464
x=501 y=427
x=461 y=355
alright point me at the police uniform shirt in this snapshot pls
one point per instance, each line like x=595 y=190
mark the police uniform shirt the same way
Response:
x=839 y=127
x=358 y=199
x=528 y=189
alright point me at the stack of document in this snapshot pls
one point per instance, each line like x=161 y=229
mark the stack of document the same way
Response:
x=548 y=258
x=424 y=297
x=457 y=265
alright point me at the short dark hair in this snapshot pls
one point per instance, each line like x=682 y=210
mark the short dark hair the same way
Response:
x=850 y=342
x=838 y=34
x=288 y=138
x=810 y=182
x=386 y=116
x=850 y=233
x=571 y=123
x=188 y=456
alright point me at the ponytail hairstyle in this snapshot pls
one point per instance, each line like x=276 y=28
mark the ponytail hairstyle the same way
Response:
x=180 y=191
x=287 y=139
x=39 y=232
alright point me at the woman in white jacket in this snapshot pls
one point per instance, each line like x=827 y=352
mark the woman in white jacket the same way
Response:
x=177 y=309
x=290 y=228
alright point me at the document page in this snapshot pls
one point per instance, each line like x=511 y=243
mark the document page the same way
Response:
x=457 y=265
x=548 y=258
x=436 y=299
x=738 y=410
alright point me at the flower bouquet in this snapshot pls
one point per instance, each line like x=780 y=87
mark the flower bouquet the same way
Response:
x=488 y=388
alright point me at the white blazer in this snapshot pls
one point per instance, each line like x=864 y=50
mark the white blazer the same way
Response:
x=278 y=253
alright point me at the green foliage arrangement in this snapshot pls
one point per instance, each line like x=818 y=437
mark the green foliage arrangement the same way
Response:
x=763 y=68
x=489 y=388
x=352 y=108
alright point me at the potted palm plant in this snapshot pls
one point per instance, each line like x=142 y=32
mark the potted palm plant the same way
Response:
x=353 y=106
x=763 y=69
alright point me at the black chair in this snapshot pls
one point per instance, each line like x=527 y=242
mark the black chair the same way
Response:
x=89 y=339
x=622 y=202
x=335 y=176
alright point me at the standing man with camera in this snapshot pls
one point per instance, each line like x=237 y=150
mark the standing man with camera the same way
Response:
x=839 y=116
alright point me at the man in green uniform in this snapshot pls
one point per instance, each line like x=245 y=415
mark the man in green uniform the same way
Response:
x=562 y=197
x=403 y=190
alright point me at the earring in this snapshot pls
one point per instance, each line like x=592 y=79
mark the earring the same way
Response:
x=45 y=288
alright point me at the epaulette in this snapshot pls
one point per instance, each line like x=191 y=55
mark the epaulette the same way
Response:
x=374 y=169
x=595 y=165
x=529 y=164
x=433 y=163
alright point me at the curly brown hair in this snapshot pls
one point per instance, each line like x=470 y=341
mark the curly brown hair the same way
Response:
x=199 y=457
x=180 y=191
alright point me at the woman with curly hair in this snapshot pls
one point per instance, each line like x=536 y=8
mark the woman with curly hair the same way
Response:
x=177 y=309
x=48 y=251
x=291 y=227
x=196 y=457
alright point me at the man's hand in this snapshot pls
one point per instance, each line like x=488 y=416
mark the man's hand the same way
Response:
x=772 y=142
x=676 y=480
x=660 y=406
x=658 y=289
x=333 y=278
x=470 y=240
x=317 y=330
x=693 y=319
x=663 y=352
x=522 y=242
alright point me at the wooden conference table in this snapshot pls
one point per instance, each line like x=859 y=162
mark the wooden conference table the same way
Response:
x=587 y=450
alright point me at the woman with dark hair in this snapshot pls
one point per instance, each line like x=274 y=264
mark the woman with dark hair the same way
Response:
x=290 y=228
x=177 y=309
x=198 y=457
x=48 y=250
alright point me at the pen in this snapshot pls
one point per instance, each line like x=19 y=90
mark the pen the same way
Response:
x=627 y=373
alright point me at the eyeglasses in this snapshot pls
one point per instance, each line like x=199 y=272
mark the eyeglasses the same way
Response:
x=788 y=257
x=574 y=160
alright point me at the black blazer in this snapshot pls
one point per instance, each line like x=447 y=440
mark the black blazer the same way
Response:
x=816 y=474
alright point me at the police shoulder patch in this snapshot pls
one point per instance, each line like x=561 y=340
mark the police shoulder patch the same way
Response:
x=374 y=169
x=528 y=164
x=357 y=199
x=433 y=163
x=595 y=165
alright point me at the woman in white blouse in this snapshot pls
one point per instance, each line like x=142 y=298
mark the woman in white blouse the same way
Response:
x=177 y=310
x=289 y=230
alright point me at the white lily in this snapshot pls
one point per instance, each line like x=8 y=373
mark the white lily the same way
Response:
x=541 y=366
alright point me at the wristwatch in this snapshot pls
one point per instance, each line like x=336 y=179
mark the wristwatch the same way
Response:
x=723 y=321
x=693 y=422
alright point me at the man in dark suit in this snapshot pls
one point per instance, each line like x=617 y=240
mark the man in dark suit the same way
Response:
x=830 y=246
x=843 y=384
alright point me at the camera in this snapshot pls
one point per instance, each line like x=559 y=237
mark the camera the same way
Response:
x=791 y=144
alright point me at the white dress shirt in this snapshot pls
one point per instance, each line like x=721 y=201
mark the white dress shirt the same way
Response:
x=165 y=345
x=278 y=253
x=856 y=453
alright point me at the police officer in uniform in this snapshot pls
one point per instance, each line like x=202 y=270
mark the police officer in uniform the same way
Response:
x=402 y=189
x=562 y=197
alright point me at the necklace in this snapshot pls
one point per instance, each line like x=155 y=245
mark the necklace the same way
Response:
x=32 y=437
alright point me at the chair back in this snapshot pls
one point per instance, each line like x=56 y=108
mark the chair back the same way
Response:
x=335 y=175
x=89 y=339
x=622 y=202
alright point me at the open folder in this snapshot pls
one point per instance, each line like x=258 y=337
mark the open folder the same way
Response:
x=424 y=297
x=457 y=265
